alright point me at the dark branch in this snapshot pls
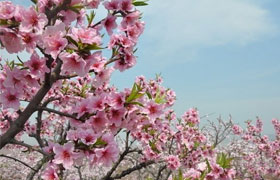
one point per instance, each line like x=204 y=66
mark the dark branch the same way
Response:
x=15 y=159
x=58 y=112
x=37 y=167
x=29 y=147
x=130 y=170
x=18 y=124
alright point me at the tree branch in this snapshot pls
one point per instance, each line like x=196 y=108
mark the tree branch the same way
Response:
x=160 y=171
x=13 y=141
x=52 y=15
x=37 y=167
x=130 y=170
x=79 y=172
x=15 y=159
x=121 y=158
x=18 y=124
x=58 y=112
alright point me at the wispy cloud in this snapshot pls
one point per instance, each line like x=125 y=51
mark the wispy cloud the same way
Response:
x=204 y=22
x=185 y=26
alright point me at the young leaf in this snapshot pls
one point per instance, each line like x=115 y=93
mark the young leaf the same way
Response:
x=90 y=17
x=140 y=3
x=93 y=47
x=72 y=41
x=3 y=22
x=137 y=103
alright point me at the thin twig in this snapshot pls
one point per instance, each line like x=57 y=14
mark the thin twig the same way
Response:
x=58 y=112
x=15 y=159
x=13 y=141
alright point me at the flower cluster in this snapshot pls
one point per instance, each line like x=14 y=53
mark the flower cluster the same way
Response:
x=66 y=84
x=256 y=155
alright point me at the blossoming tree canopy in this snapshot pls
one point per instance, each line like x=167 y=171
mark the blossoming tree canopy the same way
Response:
x=79 y=115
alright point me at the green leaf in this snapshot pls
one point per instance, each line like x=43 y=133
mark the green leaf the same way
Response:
x=149 y=95
x=160 y=99
x=133 y=93
x=3 y=22
x=140 y=3
x=196 y=144
x=93 y=47
x=99 y=143
x=223 y=160
x=203 y=175
x=76 y=8
x=208 y=166
x=136 y=103
x=180 y=175
x=90 y=17
x=34 y=1
x=154 y=147
x=72 y=41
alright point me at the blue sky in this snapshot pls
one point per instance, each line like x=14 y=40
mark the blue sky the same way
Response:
x=221 y=56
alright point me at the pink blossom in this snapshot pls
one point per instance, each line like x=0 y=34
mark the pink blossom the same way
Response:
x=135 y=31
x=73 y=135
x=98 y=103
x=109 y=139
x=57 y=2
x=120 y=39
x=50 y=174
x=33 y=21
x=11 y=41
x=18 y=13
x=92 y=3
x=103 y=77
x=113 y=5
x=116 y=115
x=107 y=155
x=73 y=2
x=94 y=62
x=14 y=78
x=54 y=45
x=30 y=41
x=54 y=40
x=191 y=116
x=216 y=170
x=73 y=62
x=130 y=19
x=45 y=4
x=126 y=43
x=127 y=62
x=192 y=174
x=150 y=154
x=110 y=23
x=82 y=108
x=126 y=5
x=237 y=130
x=37 y=65
x=153 y=110
x=31 y=129
x=49 y=148
x=88 y=137
x=7 y=10
x=64 y=155
x=201 y=166
x=86 y=35
x=68 y=16
x=10 y=98
x=117 y=100
x=259 y=125
x=98 y=122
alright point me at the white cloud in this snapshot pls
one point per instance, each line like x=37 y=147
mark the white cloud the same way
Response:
x=207 y=22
